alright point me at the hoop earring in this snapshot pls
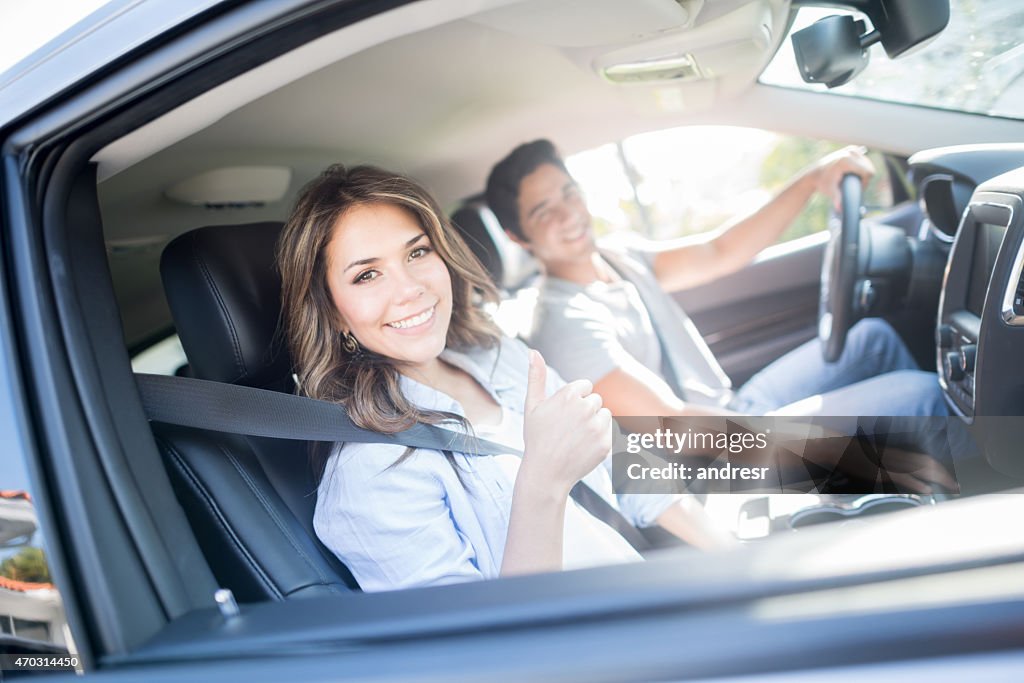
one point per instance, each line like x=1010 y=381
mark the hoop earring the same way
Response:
x=349 y=343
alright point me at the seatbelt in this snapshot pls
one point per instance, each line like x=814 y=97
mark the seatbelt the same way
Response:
x=234 y=409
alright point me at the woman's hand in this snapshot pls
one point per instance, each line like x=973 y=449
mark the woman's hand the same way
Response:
x=566 y=434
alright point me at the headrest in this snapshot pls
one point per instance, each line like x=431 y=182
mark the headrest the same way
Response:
x=224 y=292
x=471 y=222
x=508 y=264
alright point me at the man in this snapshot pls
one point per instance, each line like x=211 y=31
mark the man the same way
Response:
x=604 y=312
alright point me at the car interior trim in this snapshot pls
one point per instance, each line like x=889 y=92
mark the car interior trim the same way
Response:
x=197 y=113
x=1012 y=284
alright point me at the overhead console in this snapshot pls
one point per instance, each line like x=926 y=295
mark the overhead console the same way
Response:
x=980 y=332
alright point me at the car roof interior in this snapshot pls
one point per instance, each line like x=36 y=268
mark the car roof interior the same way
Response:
x=431 y=91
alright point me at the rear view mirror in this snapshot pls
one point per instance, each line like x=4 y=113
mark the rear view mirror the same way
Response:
x=835 y=49
x=830 y=51
x=903 y=24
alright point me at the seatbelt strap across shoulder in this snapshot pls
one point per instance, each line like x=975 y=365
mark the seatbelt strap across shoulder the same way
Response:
x=234 y=409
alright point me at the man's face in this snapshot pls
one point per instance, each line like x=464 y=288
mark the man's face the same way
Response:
x=554 y=217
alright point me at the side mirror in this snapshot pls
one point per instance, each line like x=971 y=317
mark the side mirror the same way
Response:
x=835 y=49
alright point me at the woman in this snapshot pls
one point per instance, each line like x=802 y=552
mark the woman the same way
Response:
x=383 y=309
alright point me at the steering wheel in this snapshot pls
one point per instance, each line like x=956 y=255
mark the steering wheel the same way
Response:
x=836 y=310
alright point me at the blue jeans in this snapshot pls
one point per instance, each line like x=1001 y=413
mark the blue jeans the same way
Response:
x=875 y=375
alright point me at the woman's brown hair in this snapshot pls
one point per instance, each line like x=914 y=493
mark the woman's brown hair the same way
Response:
x=367 y=384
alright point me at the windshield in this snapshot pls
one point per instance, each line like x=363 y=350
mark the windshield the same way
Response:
x=975 y=65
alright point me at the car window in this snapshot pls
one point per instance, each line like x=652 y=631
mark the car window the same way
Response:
x=165 y=357
x=656 y=184
x=690 y=180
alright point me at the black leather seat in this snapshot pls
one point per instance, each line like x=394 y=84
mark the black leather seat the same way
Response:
x=250 y=500
x=471 y=220
x=508 y=264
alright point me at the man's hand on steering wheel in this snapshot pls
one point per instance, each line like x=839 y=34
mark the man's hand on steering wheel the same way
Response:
x=831 y=168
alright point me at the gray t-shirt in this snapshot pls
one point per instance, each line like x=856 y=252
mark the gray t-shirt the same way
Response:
x=585 y=331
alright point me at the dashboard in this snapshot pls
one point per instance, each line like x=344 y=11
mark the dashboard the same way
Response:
x=980 y=331
x=979 y=335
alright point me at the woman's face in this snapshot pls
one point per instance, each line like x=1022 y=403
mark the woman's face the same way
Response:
x=392 y=290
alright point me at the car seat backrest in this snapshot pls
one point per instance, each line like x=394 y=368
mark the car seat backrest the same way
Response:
x=225 y=296
x=250 y=500
x=509 y=265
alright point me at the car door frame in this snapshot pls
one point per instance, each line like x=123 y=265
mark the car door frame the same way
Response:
x=138 y=597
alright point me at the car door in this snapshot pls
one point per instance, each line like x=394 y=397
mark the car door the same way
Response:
x=751 y=317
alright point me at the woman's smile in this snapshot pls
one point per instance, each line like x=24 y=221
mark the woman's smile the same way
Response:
x=414 y=324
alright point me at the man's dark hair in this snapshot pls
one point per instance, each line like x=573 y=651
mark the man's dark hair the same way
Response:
x=503 y=182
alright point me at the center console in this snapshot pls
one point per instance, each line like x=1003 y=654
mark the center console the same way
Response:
x=979 y=340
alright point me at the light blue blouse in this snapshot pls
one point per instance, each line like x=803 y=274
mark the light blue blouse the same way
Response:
x=416 y=524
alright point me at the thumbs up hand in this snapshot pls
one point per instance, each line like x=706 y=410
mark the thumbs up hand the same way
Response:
x=566 y=434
